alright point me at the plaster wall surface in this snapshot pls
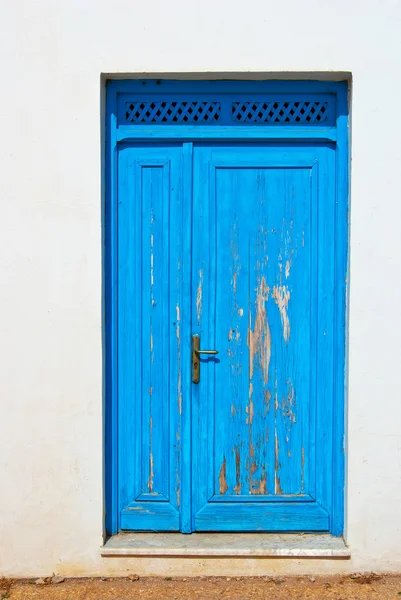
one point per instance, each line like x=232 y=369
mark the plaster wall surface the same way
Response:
x=52 y=54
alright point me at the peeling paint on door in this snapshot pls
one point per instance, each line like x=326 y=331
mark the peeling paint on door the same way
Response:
x=178 y=335
x=223 y=487
x=259 y=339
x=281 y=296
x=199 y=296
x=237 y=487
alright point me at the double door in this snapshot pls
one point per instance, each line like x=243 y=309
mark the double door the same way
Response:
x=230 y=246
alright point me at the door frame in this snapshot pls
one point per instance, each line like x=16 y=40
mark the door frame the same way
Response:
x=116 y=134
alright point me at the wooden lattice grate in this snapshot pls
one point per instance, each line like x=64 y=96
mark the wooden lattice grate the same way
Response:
x=242 y=110
x=279 y=112
x=172 y=112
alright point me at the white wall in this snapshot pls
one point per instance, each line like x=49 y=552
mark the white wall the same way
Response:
x=52 y=53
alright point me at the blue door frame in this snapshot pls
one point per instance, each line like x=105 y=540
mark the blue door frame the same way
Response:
x=211 y=121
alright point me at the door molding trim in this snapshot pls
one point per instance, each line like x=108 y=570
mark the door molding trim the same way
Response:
x=205 y=133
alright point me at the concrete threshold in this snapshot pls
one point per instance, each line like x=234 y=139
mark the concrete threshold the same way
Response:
x=226 y=544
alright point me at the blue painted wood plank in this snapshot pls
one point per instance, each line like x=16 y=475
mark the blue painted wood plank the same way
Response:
x=144 y=516
x=262 y=517
x=110 y=318
x=184 y=303
x=341 y=307
x=325 y=328
x=225 y=87
x=260 y=498
x=199 y=132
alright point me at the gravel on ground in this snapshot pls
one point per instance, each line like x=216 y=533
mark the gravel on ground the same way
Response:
x=355 y=586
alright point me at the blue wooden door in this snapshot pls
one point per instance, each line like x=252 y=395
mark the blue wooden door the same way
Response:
x=237 y=237
x=263 y=256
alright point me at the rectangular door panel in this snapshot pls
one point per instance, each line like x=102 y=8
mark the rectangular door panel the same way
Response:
x=149 y=367
x=263 y=281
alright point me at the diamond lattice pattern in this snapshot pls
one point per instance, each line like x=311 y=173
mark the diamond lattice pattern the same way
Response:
x=279 y=112
x=172 y=112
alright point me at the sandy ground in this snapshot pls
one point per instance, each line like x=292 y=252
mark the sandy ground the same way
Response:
x=206 y=588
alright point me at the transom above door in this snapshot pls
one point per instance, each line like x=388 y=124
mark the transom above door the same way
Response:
x=227 y=230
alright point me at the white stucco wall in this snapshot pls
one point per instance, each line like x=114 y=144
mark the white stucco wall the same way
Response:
x=52 y=54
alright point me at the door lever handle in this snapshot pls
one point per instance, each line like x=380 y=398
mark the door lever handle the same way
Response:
x=196 y=351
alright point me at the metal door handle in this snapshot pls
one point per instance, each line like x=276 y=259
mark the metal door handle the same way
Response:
x=195 y=357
